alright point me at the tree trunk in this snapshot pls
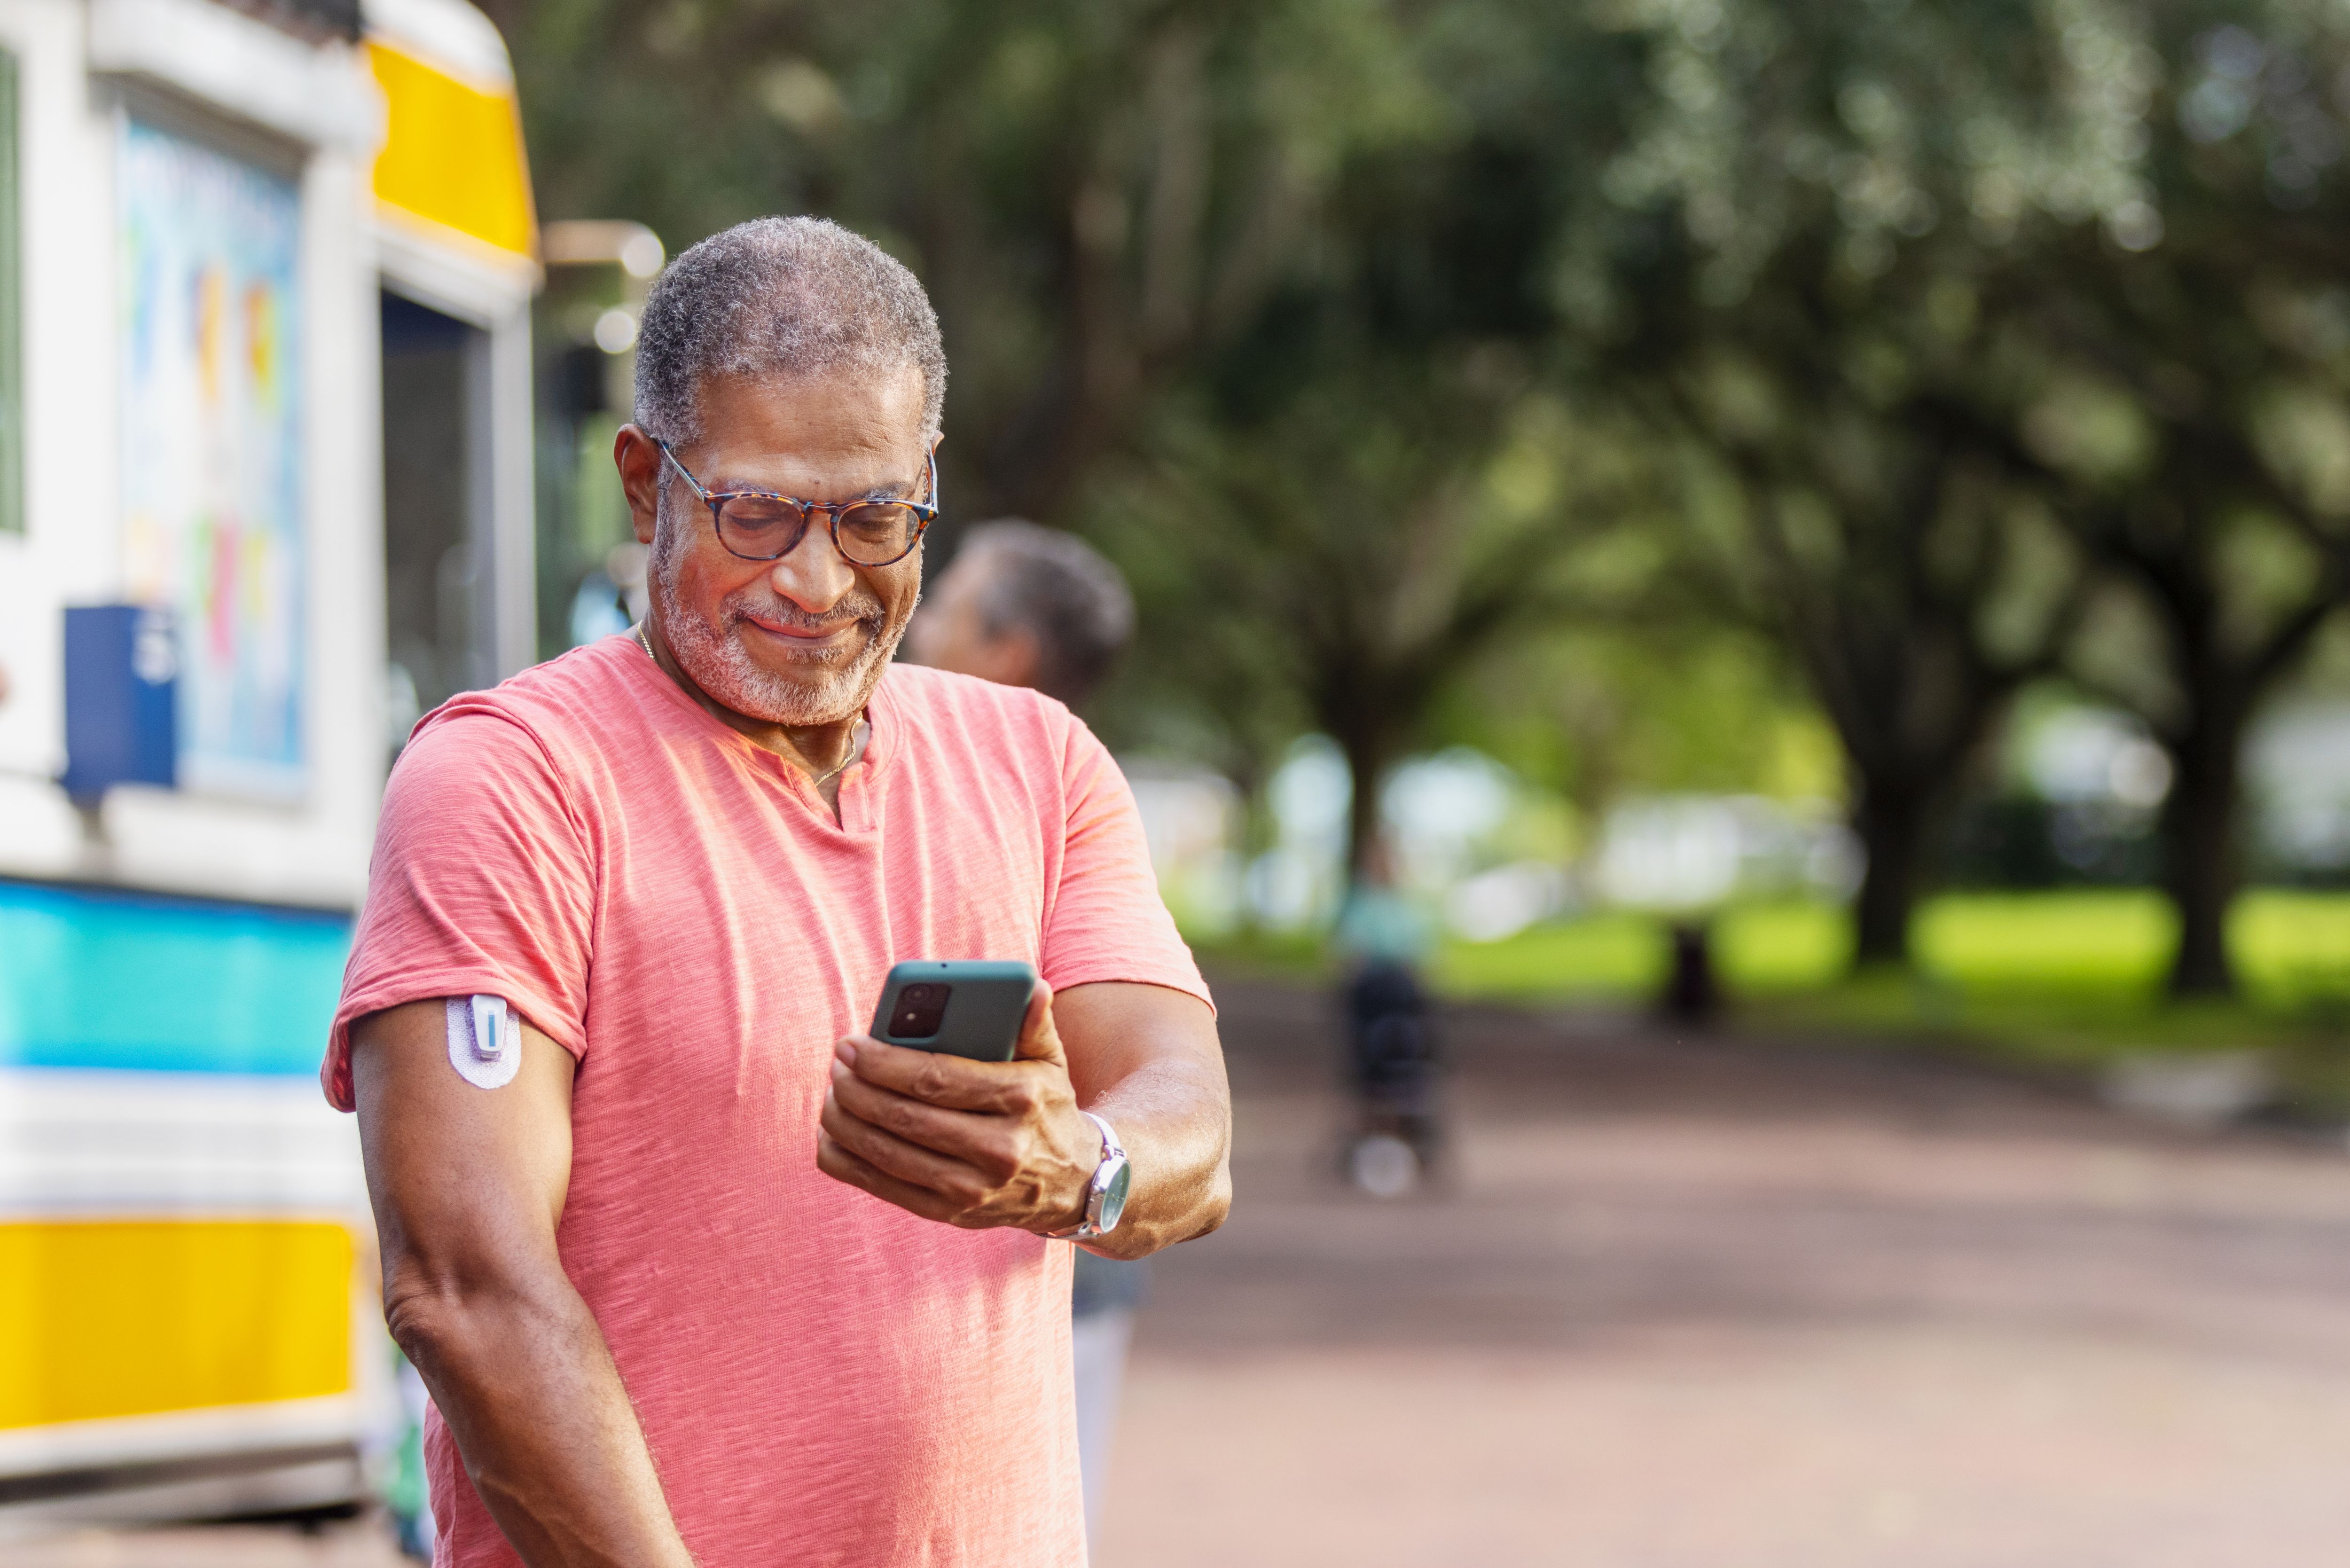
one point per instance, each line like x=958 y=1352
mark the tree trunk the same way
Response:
x=2199 y=847
x=1890 y=821
x=1368 y=756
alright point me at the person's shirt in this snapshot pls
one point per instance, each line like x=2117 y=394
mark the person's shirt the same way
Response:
x=1378 y=925
x=822 y=1378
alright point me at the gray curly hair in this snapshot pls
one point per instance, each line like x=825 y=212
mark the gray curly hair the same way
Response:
x=788 y=296
x=1063 y=590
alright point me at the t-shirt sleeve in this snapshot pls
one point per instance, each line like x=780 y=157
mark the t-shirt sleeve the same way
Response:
x=483 y=882
x=1106 y=920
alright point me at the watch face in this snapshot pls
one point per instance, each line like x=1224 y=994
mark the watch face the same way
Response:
x=1113 y=1198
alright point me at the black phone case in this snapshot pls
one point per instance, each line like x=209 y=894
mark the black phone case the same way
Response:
x=984 y=1009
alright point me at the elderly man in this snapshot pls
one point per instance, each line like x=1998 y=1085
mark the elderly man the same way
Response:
x=706 y=1275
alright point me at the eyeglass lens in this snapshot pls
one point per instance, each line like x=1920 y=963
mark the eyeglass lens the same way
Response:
x=873 y=532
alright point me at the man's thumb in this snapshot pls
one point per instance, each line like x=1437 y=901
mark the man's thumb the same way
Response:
x=1039 y=1041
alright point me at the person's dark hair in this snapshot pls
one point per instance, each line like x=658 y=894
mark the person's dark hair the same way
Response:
x=781 y=297
x=1059 y=587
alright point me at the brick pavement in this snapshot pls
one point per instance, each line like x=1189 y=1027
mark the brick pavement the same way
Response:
x=1727 y=1305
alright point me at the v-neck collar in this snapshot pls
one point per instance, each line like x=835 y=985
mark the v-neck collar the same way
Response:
x=859 y=781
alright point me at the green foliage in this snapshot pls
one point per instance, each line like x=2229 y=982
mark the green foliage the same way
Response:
x=1624 y=388
x=2019 y=331
x=1245 y=290
x=1093 y=192
x=1598 y=711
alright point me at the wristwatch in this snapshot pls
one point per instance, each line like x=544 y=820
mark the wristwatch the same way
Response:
x=1105 y=1195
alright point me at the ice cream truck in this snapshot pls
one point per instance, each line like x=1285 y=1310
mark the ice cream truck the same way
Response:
x=266 y=490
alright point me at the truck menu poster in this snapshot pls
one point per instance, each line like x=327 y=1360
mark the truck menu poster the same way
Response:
x=212 y=454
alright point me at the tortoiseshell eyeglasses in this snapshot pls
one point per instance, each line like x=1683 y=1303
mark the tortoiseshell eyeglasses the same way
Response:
x=761 y=525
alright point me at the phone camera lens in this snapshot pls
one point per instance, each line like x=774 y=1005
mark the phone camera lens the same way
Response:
x=920 y=1010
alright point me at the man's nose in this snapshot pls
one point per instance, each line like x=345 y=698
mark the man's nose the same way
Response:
x=812 y=577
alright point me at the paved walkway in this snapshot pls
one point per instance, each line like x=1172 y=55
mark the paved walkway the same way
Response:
x=360 y=1543
x=1720 y=1304
x=1712 y=1305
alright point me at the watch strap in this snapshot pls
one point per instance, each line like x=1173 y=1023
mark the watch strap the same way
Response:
x=1112 y=1153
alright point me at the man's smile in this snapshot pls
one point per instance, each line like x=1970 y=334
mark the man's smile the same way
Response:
x=805 y=639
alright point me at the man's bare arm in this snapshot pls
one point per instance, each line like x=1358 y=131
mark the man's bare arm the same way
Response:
x=468 y=1185
x=981 y=1143
x=1146 y=1060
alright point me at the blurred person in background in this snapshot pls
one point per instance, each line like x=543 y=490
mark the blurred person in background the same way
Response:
x=1025 y=606
x=694 y=1269
x=1391 y=1035
x=1034 y=607
x=612 y=599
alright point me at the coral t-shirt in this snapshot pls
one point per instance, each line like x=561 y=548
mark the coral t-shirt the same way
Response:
x=823 y=1378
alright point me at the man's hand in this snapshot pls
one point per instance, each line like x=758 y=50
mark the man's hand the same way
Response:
x=974 y=1144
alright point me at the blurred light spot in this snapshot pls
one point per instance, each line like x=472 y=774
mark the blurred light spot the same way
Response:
x=616 y=331
x=641 y=255
x=2292 y=183
x=2216 y=108
x=2139 y=775
x=2134 y=226
x=1505 y=900
x=801 y=95
x=2234 y=53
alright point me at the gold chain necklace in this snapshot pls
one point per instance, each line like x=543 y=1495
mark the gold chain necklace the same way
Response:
x=856 y=736
x=855 y=750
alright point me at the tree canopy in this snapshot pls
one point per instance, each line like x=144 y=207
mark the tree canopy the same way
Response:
x=1940 y=349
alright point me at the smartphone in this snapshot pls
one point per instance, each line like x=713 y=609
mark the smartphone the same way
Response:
x=964 y=1007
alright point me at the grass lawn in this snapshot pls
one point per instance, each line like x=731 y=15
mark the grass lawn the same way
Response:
x=2068 y=979
x=2103 y=946
x=2064 y=980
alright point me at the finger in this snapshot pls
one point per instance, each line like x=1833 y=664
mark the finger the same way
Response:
x=953 y=1180
x=844 y=1167
x=935 y=1078
x=972 y=1136
x=1040 y=1041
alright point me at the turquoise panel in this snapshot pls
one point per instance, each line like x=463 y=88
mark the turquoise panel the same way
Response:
x=101 y=979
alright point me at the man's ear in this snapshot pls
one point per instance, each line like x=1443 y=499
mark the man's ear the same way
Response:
x=639 y=458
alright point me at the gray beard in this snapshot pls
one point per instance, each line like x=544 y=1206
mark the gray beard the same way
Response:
x=838 y=682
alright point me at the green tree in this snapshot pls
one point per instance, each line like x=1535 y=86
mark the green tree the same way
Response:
x=2197 y=409
x=1370 y=488
x=1924 y=280
x=1780 y=270
x=1248 y=271
x=1096 y=193
x=1348 y=559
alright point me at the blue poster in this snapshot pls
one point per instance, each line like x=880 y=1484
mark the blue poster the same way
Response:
x=211 y=452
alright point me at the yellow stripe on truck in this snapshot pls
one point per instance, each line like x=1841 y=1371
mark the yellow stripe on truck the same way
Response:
x=453 y=152
x=106 y=1318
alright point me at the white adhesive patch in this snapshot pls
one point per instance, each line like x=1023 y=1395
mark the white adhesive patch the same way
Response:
x=484 y=1040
